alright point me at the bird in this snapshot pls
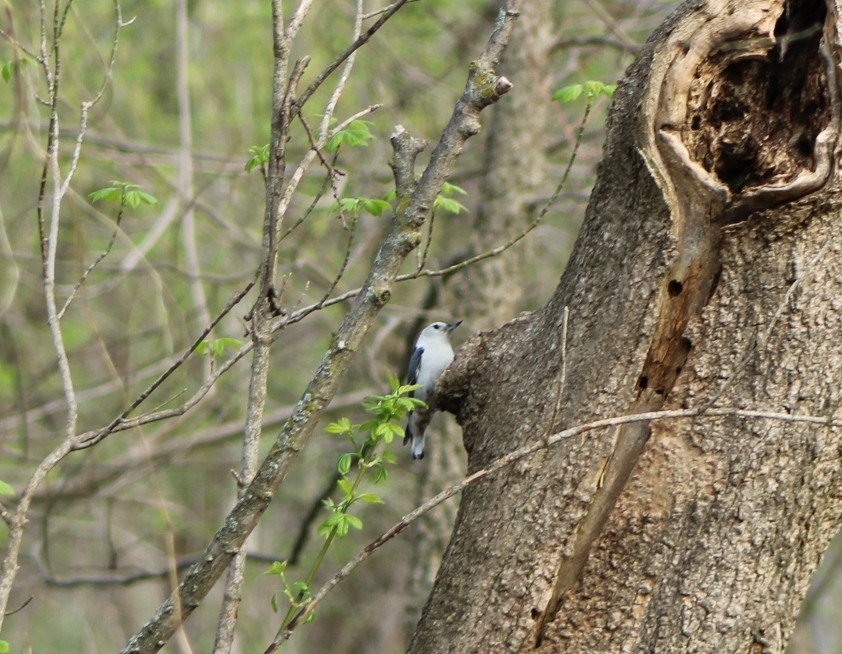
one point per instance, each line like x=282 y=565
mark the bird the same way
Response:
x=431 y=355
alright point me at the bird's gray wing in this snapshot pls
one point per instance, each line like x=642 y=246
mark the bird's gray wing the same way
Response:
x=414 y=364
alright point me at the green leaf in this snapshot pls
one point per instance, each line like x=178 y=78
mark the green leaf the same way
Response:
x=347 y=205
x=371 y=498
x=341 y=524
x=259 y=157
x=342 y=426
x=593 y=88
x=229 y=341
x=344 y=484
x=371 y=404
x=354 y=135
x=124 y=193
x=9 y=67
x=132 y=199
x=369 y=425
x=353 y=521
x=333 y=519
x=411 y=403
x=215 y=347
x=109 y=194
x=449 y=204
x=344 y=465
x=375 y=207
x=274 y=602
x=380 y=473
x=6 y=489
x=301 y=588
x=277 y=568
x=5 y=648
x=448 y=190
x=568 y=93
x=146 y=198
x=445 y=201
x=354 y=206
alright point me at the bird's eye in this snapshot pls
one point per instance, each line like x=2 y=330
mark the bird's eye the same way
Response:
x=436 y=326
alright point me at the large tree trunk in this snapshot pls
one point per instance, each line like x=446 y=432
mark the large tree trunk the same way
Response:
x=706 y=272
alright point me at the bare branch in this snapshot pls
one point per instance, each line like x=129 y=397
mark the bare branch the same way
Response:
x=93 y=264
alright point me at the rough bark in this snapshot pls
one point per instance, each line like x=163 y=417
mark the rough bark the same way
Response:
x=705 y=272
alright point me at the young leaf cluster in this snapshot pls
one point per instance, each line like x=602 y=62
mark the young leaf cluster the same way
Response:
x=297 y=592
x=259 y=157
x=123 y=193
x=354 y=206
x=444 y=200
x=590 y=89
x=368 y=457
x=8 y=68
x=215 y=348
x=356 y=134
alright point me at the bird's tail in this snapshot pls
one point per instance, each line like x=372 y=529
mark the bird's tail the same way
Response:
x=416 y=428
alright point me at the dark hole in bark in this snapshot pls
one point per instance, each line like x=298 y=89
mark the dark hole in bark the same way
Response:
x=686 y=344
x=674 y=287
x=659 y=391
x=756 y=121
x=535 y=613
x=643 y=382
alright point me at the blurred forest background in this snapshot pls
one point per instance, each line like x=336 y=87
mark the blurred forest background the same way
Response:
x=189 y=96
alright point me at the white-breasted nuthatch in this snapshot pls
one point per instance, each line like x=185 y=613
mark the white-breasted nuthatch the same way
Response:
x=431 y=355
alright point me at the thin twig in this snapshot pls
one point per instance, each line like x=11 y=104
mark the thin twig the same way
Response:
x=94 y=264
x=382 y=11
x=312 y=206
x=352 y=231
x=422 y=259
x=349 y=51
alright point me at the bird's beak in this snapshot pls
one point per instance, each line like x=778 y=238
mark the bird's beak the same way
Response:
x=453 y=326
